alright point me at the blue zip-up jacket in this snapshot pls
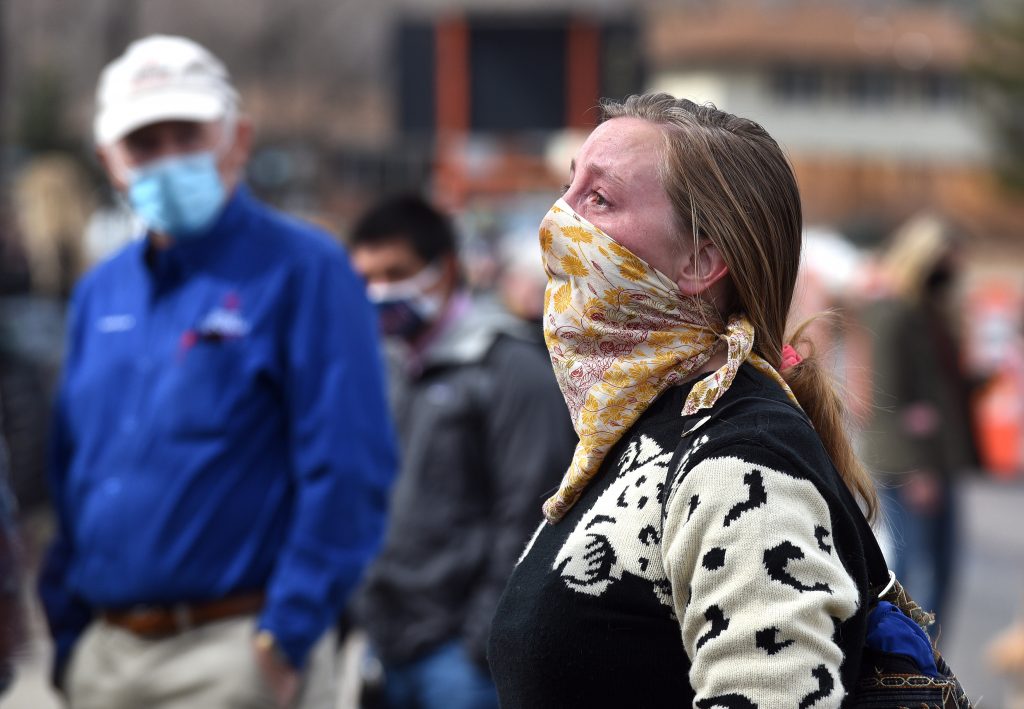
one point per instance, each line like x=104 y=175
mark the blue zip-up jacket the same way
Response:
x=221 y=428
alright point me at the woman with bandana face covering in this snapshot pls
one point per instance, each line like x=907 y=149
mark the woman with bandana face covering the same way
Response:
x=707 y=545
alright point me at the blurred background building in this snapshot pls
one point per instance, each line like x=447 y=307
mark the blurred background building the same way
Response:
x=886 y=108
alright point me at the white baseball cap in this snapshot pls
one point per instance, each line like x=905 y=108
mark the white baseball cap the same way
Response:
x=160 y=78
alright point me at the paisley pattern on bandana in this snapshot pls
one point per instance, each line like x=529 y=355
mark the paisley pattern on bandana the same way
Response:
x=620 y=333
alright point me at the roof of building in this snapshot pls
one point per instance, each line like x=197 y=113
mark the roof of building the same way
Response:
x=800 y=31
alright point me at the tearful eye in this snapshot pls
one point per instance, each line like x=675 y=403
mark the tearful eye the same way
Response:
x=599 y=199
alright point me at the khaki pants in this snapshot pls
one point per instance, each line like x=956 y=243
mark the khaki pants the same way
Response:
x=209 y=667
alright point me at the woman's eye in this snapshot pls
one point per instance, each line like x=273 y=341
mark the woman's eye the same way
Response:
x=565 y=188
x=599 y=199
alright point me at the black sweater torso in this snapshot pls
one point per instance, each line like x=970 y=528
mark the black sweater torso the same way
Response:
x=704 y=546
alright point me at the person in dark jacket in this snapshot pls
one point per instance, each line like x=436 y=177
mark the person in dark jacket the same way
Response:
x=919 y=439
x=483 y=434
x=12 y=607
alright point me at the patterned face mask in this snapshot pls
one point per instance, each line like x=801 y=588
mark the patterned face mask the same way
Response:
x=620 y=333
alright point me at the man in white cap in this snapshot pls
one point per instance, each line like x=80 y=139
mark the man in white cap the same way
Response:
x=221 y=448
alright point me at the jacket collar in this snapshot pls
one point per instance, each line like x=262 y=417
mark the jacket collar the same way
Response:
x=467 y=337
x=183 y=257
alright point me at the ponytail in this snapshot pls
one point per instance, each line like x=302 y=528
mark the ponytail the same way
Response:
x=815 y=389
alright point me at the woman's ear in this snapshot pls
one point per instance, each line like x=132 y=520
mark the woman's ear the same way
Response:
x=702 y=269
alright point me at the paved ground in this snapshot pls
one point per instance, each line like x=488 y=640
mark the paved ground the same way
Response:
x=990 y=596
x=991 y=586
x=30 y=691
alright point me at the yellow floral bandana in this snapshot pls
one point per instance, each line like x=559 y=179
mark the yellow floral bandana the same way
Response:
x=620 y=333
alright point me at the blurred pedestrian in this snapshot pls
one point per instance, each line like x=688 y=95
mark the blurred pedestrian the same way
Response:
x=221 y=447
x=12 y=607
x=483 y=435
x=52 y=202
x=918 y=436
x=705 y=547
x=521 y=279
x=1005 y=654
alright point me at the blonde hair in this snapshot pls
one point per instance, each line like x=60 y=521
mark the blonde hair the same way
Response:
x=729 y=181
x=913 y=252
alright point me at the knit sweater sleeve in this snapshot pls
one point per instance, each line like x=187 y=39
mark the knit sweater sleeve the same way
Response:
x=757 y=586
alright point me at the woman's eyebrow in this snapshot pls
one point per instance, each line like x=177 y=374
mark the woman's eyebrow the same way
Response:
x=598 y=170
x=605 y=173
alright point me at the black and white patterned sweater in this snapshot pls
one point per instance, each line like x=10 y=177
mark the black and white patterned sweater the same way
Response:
x=716 y=561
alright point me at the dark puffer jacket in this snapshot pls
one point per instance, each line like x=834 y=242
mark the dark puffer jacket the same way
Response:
x=484 y=434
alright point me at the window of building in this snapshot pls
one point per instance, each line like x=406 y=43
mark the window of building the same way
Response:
x=871 y=86
x=798 y=83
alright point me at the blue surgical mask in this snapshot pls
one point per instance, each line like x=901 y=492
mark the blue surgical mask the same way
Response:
x=180 y=196
x=405 y=308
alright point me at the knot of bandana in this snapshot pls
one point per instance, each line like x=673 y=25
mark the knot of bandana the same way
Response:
x=620 y=333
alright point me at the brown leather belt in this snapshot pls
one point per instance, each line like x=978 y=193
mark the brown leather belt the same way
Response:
x=158 y=621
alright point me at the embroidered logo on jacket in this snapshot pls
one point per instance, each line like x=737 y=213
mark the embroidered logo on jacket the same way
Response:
x=115 y=323
x=224 y=322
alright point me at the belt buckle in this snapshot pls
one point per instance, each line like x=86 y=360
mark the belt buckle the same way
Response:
x=182 y=614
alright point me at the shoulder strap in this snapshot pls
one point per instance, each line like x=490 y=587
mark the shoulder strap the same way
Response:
x=878 y=570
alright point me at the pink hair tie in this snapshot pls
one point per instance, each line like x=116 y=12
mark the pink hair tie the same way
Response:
x=790 y=358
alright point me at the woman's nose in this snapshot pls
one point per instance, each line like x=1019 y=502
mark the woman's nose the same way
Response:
x=572 y=197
